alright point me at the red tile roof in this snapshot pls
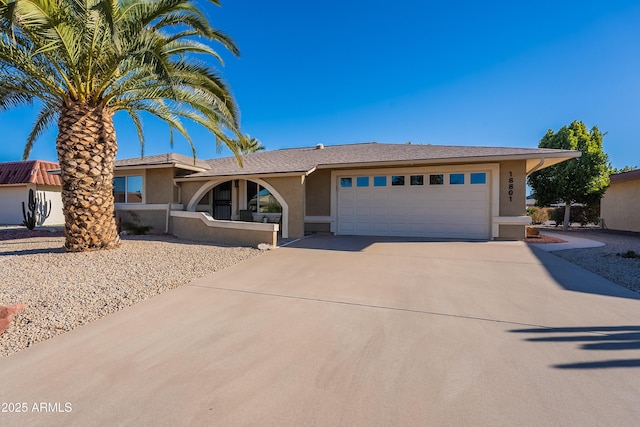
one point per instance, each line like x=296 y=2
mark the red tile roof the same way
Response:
x=29 y=172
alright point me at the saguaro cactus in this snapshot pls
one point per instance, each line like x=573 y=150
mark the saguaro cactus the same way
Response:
x=38 y=211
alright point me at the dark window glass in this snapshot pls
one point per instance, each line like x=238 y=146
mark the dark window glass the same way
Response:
x=346 y=182
x=417 y=179
x=436 y=179
x=252 y=199
x=397 y=180
x=119 y=189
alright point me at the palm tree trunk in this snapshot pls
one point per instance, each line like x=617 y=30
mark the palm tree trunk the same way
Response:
x=87 y=147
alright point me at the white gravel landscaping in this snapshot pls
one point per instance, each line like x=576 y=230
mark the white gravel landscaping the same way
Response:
x=604 y=260
x=62 y=291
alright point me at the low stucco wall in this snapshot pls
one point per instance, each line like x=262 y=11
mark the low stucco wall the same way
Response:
x=196 y=226
x=620 y=206
x=156 y=219
x=512 y=232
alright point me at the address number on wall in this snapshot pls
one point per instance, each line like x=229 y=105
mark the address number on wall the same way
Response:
x=510 y=192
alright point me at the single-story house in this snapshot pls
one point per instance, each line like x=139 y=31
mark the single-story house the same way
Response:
x=357 y=189
x=620 y=206
x=17 y=178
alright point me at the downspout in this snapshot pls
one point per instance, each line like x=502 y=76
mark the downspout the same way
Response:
x=168 y=219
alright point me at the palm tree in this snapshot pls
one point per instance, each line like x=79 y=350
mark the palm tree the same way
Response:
x=84 y=60
x=249 y=144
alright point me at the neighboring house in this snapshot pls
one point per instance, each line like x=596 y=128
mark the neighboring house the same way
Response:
x=358 y=189
x=620 y=206
x=17 y=178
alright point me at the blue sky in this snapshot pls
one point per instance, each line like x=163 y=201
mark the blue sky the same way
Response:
x=492 y=73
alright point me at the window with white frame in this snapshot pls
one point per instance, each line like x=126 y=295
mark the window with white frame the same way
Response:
x=127 y=189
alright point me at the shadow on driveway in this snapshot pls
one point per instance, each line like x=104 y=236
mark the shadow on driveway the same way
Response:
x=574 y=278
x=607 y=338
x=329 y=242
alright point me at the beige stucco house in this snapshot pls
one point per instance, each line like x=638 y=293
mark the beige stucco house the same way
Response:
x=620 y=206
x=357 y=189
x=17 y=178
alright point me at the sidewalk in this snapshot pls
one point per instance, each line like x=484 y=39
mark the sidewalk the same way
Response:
x=570 y=243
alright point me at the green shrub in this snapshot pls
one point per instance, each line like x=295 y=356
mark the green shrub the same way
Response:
x=132 y=228
x=584 y=215
x=629 y=254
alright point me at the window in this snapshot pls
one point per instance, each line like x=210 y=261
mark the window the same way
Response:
x=417 y=180
x=379 y=181
x=479 y=178
x=436 y=179
x=346 y=182
x=397 y=180
x=260 y=200
x=456 y=179
x=362 y=181
x=127 y=189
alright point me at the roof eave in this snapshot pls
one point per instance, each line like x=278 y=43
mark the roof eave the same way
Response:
x=161 y=166
x=243 y=176
x=559 y=157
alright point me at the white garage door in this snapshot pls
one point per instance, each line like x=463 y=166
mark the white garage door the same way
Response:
x=448 y=204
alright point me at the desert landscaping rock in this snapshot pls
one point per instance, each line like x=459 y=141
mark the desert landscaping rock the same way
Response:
x=62 y=291
x=605 y=261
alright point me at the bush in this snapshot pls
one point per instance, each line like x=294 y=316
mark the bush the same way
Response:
x=584 y=215
x=136 y=229
x=538 y=215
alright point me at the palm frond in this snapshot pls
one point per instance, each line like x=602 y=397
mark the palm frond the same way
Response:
x=45 y=118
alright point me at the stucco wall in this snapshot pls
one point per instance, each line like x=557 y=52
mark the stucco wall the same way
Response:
x=512 y=198
x=620 y=206
x=513 y=204
x=194 y=229
x=157 y=220
x=292 y=189
x=512 y=232
x=159 y=185
x=188 y=189
x=318 y=193
x=11 y=199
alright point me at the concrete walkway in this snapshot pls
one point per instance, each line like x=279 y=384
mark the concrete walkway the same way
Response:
x=351 y=331
x=570 y=242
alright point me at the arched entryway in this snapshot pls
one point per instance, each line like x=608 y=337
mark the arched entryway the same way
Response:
x=225 y=198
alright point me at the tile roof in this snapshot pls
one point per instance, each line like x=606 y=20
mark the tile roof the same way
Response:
x=163 y=159
x=306 y=159
x=625 y=176
x=29 y=172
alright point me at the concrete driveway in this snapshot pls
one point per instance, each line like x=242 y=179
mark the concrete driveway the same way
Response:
x=351 y=331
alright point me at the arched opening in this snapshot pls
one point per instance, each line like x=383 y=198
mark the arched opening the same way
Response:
x=226 y=199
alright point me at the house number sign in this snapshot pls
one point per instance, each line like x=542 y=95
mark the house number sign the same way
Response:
x=510 y=186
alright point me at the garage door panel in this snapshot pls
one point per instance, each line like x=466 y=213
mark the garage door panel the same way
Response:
x=446 y=210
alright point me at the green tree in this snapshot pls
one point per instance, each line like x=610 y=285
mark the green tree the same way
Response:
x=248 y=144
x=82 y=61
x=627 y=168
x=580 y=180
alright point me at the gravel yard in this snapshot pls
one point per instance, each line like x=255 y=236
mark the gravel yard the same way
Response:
x=62 y=291
x=604 y=260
